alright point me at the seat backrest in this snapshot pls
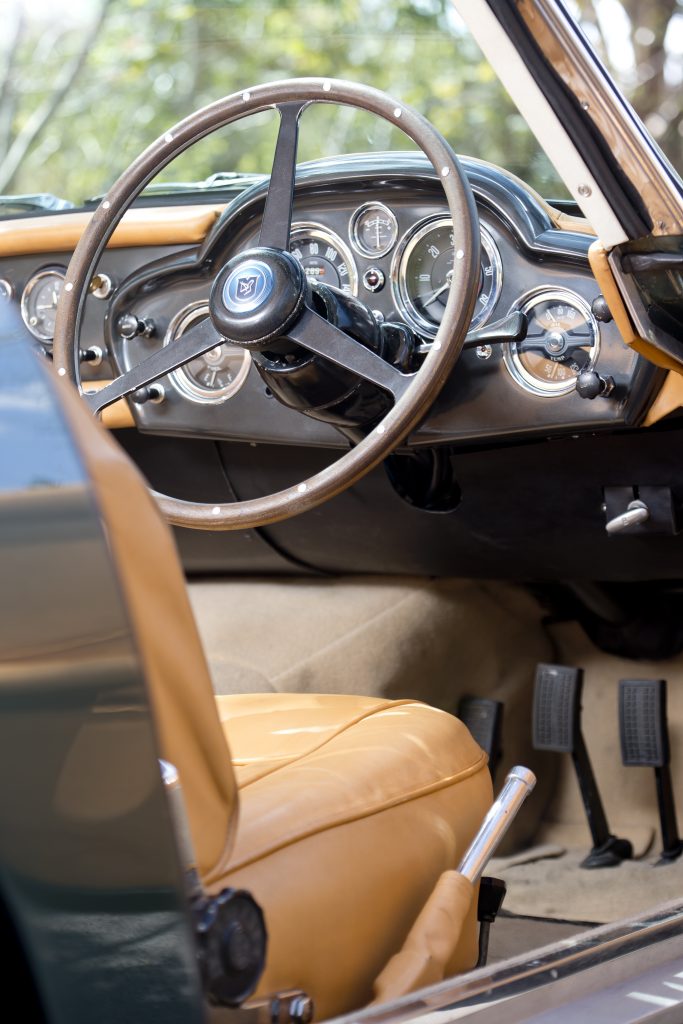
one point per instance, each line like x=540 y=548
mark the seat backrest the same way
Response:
x=143 y=549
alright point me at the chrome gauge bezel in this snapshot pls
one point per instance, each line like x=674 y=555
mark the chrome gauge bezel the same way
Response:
x=511 y=357
x=6 y=290
x=356 y=242
x=310 y=229
x=29 y=289
x=181 y=322
x=399 y=284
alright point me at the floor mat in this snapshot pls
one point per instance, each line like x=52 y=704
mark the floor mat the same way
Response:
x=558 y=888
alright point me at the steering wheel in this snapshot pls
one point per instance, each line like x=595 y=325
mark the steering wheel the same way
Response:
x=261 y=293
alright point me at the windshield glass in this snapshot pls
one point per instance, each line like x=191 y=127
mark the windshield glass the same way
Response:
x=88 y=84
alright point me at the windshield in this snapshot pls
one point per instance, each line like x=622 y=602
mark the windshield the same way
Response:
x=88 y=84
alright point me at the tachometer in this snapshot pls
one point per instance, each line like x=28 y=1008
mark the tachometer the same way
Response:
x=562 y=340
x=39 y=303
x=324 y=256
x=422 y=272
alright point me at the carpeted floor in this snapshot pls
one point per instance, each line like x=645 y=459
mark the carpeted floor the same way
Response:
x=441 y=640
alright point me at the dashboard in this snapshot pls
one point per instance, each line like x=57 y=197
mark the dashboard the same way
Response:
x=509 y=462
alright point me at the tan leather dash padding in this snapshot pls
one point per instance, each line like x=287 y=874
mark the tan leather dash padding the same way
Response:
x=61 y=232
x=351 y=808
x=163 y=625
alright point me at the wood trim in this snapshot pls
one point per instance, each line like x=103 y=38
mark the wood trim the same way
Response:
x=167 y=225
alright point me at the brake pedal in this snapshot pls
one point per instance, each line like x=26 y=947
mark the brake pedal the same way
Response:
x=484 y=719
x=644 y=734
x=557 y=727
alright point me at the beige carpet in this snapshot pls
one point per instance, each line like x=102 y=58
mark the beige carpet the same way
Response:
x=555 y=886
x=440 y=640
x=394 y=637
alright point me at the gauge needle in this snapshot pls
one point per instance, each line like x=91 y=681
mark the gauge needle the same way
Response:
x=435 y=294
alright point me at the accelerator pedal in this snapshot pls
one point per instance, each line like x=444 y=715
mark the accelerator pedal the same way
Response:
x=644 y=734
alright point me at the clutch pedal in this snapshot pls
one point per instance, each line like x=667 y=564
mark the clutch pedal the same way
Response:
x=644 y=734
x=557 y=727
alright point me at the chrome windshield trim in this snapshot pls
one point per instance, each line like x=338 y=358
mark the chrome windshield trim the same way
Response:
x=568 y=51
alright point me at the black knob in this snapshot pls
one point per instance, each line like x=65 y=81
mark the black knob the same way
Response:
x=130 y=326
x=232 y=939
x=601 y=310
x=153 y=393
x=590 y=385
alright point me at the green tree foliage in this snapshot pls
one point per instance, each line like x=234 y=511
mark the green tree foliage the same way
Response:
x=82 y=94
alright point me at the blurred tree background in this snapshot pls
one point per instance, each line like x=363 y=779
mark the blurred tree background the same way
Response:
x=85 y=85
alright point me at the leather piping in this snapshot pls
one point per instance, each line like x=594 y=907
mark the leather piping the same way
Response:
x=286 y=761
x=317 y=828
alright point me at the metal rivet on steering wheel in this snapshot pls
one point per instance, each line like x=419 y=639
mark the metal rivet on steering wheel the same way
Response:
x=270 y=271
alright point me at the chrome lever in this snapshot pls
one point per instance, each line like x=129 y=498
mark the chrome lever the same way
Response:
x=518 y=784
x=636 y=513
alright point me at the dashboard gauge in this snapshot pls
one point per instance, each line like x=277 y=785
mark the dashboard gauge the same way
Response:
x=215 y=376
x=39 y=303
x=373 y=229
x=324 y=256
x=6 y=290
x=562 y=340
x=423 y=270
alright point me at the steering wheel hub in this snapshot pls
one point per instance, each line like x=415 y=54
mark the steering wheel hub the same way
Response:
x=257 y=296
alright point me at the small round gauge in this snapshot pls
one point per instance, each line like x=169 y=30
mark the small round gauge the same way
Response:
x=324 y=257
x=6 y=290
x=373 y=229
x=423 y=269
x=39 y=303
x=215 y=376
x=562 y=340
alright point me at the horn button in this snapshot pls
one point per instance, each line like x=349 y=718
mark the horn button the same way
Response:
x=257 y=296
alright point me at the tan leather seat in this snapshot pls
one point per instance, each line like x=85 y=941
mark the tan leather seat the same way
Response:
x=350 y=808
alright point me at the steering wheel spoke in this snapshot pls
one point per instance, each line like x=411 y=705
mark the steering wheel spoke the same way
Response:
x=277 y=215
x=194 y=342
x=318 y=335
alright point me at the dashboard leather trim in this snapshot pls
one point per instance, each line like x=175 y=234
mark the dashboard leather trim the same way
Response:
x=116 y=416
x=167 y=225
x=597 y=256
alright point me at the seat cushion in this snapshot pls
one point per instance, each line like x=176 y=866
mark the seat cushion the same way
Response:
x=350 y=809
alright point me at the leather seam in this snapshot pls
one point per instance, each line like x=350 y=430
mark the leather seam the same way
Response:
x=406 y=798
x=386 y=706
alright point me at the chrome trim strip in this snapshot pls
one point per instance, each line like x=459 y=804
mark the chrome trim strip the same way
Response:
x=600 y=947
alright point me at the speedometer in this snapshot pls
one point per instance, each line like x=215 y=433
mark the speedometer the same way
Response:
x=423 y=270
x=324 y=256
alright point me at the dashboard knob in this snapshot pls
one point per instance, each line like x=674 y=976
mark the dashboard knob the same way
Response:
x=130 y=326
x=601 y=310
x=590 y=385
x=154 y=393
